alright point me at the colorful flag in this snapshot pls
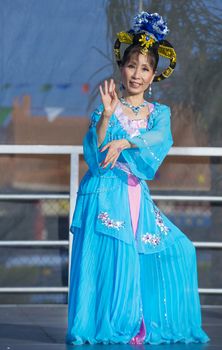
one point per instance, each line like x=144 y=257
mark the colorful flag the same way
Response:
x=53 y=112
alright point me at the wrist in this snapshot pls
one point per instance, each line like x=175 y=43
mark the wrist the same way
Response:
x=126 y=144
x=106 y=114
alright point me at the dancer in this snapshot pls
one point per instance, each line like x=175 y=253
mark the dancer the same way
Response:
x=133 y=272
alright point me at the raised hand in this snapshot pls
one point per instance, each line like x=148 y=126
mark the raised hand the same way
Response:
x=109 y=97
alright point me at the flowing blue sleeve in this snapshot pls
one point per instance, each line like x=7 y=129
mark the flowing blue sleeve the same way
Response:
x=152 y=146
x=91 y=149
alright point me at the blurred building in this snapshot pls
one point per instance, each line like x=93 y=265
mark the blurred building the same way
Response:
x=46 y=172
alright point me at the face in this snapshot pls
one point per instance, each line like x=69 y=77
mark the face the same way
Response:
x=137 y=74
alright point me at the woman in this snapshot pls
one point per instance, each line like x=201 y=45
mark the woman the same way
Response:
x=133 y=272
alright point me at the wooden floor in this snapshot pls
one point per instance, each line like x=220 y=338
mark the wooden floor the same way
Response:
x=43 y=327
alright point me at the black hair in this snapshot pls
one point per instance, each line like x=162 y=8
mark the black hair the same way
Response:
x=152 y=55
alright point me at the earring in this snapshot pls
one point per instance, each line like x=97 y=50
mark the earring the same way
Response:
x=150 y=91
x=121 y=87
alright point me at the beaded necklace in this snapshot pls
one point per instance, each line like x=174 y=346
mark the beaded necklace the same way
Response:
x=135 y=109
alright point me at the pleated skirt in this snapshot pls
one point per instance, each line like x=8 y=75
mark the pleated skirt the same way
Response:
x=117 y=295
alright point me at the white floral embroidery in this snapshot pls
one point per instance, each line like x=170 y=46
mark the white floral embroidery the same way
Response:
x=104 y=217
x=151 y=239
x=160 y=223
x=155 y=239
x=131 y=128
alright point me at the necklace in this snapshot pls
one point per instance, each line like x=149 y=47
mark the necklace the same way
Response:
x=135 y=109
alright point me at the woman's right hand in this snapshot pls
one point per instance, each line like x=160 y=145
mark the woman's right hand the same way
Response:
x=109 y=97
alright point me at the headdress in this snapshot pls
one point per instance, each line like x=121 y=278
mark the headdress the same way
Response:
x=148 y=30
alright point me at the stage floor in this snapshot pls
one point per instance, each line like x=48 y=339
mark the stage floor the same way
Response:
x=44 y=326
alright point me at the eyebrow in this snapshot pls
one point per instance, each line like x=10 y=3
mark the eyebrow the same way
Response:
x=144 y=64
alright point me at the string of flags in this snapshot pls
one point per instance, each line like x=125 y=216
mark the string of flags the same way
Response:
x=51 y=112
x=4 y=113
x=46 y=87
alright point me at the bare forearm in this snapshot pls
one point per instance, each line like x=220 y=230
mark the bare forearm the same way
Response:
x=128 y=144
x=132 y=145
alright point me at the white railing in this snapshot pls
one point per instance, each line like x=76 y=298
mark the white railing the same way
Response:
x=74 y=152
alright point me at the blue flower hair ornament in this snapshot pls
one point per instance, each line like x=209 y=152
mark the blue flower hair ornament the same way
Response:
x=152 y=23
x=148 y=31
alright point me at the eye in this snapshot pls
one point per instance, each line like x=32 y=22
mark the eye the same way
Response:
x=131 y=66
x=146 y=69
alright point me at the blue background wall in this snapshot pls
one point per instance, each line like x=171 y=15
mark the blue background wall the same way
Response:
x=49 y=50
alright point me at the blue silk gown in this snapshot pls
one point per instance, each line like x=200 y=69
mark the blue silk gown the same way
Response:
x=130 y=284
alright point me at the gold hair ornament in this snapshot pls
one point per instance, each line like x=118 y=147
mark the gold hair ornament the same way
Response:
x=146 y=41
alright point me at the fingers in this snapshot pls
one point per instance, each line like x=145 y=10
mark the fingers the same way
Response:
x=101 y=91
x=111 y=83
x=114 y=163
x=115 y=100
x=105 y=147
x=106 y=161
x=109 y=87
x=110 y=157
x=112 y=160
x=115 y=94
x=113 y=89
x=118 y=146
x=113 y=153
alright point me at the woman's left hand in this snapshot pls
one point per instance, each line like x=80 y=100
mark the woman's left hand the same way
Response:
x=114 y=149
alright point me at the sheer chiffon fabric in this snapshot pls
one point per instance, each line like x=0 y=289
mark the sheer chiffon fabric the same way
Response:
x=134 y=192
x=118 y=295
x=176 y=299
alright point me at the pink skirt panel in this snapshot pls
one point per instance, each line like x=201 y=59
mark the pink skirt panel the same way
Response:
x=134 y=192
